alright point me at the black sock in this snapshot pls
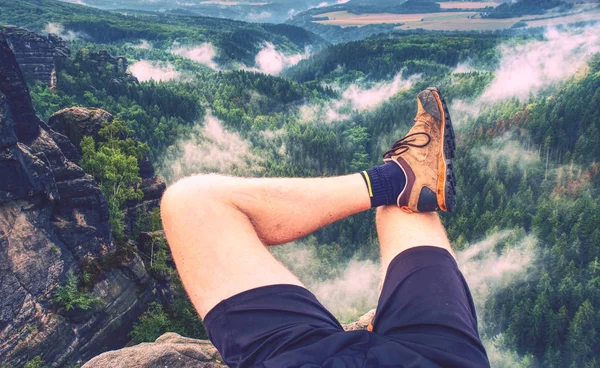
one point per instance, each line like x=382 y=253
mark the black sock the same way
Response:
x=384 y=183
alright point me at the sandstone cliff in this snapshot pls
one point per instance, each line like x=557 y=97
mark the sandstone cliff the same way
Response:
x=54 y=221
x=37 y=55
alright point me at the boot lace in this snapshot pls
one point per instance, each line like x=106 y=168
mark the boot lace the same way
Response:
x=405 y=143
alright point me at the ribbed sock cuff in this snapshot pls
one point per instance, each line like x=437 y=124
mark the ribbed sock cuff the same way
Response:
x=384 y=183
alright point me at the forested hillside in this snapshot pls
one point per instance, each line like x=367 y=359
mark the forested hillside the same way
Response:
x=528 y=156
x=525 y=7
x=236 y=41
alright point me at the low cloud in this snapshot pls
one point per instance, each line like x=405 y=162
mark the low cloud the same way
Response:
x=144 y=44
x=508 y=151
x=488 y=272
x=271 y=61
x=210 y=149
x=356 y=98
x=324 y=4
x=366 y=99
x=465 y=67
x=203 y=54
x=351 y=289
x=348 y=290
x=259 y=17
x=60 y=31
x=145 y=71
x=353 y=293
x=528 y=68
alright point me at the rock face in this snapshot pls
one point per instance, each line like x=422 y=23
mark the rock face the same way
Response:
x=172 y=350
x=37 y=55
x=77 y=122
x=54 y=221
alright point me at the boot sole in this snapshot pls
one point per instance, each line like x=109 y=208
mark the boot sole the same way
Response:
x=446 y=191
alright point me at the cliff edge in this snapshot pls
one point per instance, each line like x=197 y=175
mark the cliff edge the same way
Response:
x=53 y=225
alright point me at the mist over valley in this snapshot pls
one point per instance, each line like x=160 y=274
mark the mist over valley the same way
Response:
x=134 y=95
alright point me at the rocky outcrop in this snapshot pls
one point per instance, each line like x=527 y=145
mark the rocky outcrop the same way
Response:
x=100 y=59
x=77 y=122
x=172 y=350
x=119 y=63
x=169 y=350
x=37 y=55
x=362 y=323
x=54 y=221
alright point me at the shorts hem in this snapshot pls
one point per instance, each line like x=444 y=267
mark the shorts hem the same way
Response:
x=262 y=291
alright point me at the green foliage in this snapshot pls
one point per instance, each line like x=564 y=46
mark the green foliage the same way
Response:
x=114 y=164
x=184 y=316
x=151 y=325
x=147 y=222
x=158 y=258
x=70 y=296
x=36 y=362
x=179 y=317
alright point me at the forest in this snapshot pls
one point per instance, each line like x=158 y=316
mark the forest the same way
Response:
x=239 y=41
x=526 y=7
x=528 y=165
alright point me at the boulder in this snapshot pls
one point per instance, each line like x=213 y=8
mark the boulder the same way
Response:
x=169 y=350
x=78 y=122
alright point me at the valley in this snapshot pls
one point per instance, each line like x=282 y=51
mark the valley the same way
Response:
x=104 y=106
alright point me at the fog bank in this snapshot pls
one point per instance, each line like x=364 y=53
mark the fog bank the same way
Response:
x=202 y=54
x=210 y=149
x=145 y=71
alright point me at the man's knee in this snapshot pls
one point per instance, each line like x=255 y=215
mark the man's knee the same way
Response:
x=197 y=187
x=191 y=193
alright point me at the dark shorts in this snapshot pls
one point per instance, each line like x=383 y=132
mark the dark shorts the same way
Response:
x=425 y=318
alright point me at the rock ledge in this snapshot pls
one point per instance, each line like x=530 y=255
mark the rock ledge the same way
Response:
x=173 y=350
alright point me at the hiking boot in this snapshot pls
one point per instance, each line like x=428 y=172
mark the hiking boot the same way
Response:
x=425 y=154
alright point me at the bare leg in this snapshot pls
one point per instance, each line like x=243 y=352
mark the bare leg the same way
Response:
x=399 y=231
x=217 y=226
